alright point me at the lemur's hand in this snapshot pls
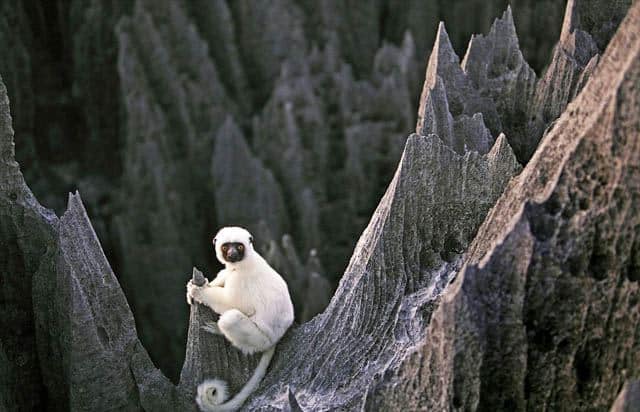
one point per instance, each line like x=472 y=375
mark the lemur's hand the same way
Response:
x=194 y=291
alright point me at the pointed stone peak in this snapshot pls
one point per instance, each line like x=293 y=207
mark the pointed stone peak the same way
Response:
x=503 y=32
x=505 y=23
x=502 y=148
x=74 y=202
x=230 y=146
x=408 y=43
x=442 y=56
x=508 y=15
x=571 y=20
x=76 y=216
x=6 y=130
x=229 y=129
x=442 y=41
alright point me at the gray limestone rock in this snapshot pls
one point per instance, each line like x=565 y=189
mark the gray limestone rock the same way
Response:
x=25 y=234
x=124 y=99
x=268 y=33
x=245 y=192
x=309 y=288
x=69 y=334
x=84 y=328
x=544 y=312
x=496 y=67
x=405 y=257
x=175 y=103
x=541 y=311
x=572 y=63
x=448 y=93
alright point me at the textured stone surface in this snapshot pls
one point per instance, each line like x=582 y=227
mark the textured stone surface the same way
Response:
x=402 y=261
x=496 y=67
x=125 y=100
x=69 y=334
x=84 y=327
x=448 y=94
x=542 y=311
x=588 y=25
x=238 y=178
x=468 y=104
x=629 y=398
x=24 y=235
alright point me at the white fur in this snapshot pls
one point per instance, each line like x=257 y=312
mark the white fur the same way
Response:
x=211 y=392
x=255 y=311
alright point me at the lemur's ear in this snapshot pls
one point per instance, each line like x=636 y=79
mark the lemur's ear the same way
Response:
x=214 y=241
x=251 y=239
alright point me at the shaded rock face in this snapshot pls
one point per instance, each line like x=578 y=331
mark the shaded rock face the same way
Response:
x=68 y=339
x=25 y=233
x=540 y=312
x=170 y=129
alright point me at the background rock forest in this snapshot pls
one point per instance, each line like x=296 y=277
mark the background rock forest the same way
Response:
x=486 y=155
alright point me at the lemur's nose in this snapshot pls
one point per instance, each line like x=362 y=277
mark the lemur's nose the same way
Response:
x=232 y=254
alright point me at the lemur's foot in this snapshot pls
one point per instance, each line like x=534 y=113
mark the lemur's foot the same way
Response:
x=211 y=327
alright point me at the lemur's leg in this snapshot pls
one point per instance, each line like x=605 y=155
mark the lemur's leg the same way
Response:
x=244 y=333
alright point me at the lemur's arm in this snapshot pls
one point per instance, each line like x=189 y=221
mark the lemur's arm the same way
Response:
x=220 y=278
x=217 y=299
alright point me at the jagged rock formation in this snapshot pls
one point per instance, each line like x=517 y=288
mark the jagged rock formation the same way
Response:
x=175 y=102
x=544 y=313
x=495 y=66
x=542 y=310
x=586 y=30
x=126 y=100
x=68 y=339
x=449 y=101
x=24 y=235
x=402 y=262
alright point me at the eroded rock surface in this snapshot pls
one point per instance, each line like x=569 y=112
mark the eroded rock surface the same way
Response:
x=545 y=312
x=126 y=100
x=540 y=312
x=586 y=30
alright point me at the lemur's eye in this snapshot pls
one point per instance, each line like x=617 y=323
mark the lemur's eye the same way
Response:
x=225 y=247
x=240 y=248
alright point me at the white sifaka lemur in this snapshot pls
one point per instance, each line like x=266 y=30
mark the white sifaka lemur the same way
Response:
x=255 y=311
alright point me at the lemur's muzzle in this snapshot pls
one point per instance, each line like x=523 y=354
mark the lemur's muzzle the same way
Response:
x=233 y=254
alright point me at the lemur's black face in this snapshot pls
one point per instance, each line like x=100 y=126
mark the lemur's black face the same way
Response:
x=233 y=251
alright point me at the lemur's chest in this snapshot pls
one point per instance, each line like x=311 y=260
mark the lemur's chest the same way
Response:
x=245 y=287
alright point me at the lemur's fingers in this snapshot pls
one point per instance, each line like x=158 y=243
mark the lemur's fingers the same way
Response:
x=191 y=292
x=211 y=327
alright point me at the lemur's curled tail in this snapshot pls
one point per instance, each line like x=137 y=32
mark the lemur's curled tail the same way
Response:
x=212 y=393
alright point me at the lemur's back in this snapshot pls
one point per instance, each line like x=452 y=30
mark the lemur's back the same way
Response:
x=270 y=291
